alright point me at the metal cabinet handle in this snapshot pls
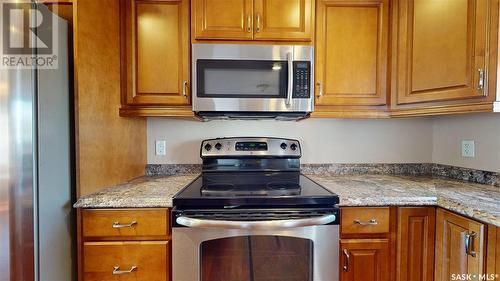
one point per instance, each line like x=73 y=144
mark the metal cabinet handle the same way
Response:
x=119 y=225
x=184 y=88
x=271 y=224
x=117 y=271
x=480 y=83
x=249 y=23
x=258 y=23
x=290 y=79
x=346 y=260
x=370 y=222
x=469 y=244
x=320 y=89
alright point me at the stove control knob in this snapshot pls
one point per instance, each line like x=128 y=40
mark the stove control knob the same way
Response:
x=283 y=145
x=208 y=147
x=218 y=146
x=293 y=147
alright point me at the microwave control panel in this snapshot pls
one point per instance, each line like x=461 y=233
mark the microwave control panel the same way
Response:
x=301 y=79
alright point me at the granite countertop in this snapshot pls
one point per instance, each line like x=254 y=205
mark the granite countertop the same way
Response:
x=478 y=201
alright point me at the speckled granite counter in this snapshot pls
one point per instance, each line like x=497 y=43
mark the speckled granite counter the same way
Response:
x=143 y=192
x=481 y=202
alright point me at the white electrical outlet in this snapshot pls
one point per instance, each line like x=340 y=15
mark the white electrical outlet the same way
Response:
x=468 y=148
x=161 y=147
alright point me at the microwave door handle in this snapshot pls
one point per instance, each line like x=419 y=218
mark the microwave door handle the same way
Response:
x=269 y=224
x=290 y=79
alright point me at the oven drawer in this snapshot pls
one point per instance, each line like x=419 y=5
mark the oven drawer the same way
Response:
x=121 y=223
x=138 y=261
x=361 y=220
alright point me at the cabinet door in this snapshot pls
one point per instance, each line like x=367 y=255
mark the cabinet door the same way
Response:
x=364 y=260
x=441 y=50
x=415 y=240
x=223 y=19
x=283 y=19
x=155 y=52
x=351 y=52
x=459 y=246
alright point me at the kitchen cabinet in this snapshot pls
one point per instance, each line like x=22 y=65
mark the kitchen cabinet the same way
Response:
x=364 y=260
x=268 y=20
x=366 y=243
x=459 y=246
x=124 y=244
x=444 y=56
x=155 y=55
x=415 y=243
x=493 y=251
x=352 y=54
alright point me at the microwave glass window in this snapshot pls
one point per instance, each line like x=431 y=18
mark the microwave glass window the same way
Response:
x=242 y=79
x=251 y=258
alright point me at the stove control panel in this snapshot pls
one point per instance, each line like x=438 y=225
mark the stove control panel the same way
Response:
x=250 y=147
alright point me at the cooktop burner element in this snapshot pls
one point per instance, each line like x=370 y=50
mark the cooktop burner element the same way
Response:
x=252 y=173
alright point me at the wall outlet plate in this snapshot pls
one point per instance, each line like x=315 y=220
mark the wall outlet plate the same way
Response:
x=468 y=148
x=161 y=147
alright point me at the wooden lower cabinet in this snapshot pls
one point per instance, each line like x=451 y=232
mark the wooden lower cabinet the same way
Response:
x=138 y=261
x=415 y=243
x=364 y=260
x=459 y=246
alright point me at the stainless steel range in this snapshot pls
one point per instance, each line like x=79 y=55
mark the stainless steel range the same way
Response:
x=252 y=216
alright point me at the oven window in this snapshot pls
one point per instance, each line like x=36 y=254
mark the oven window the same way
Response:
x=257 y=258
x=241 y=78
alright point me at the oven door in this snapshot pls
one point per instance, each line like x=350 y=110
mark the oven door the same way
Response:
x=252 y=78
x=222 y=251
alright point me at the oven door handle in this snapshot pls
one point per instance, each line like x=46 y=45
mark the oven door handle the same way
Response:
x=269 y=224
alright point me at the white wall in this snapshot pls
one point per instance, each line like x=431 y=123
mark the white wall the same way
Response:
x=484 y=129
x=322 y=140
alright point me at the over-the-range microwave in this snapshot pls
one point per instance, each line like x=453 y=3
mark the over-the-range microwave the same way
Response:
x=252 y=81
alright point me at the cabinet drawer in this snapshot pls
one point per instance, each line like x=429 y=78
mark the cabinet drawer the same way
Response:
x=364 y=220
x=147 y=261
x=125 y=223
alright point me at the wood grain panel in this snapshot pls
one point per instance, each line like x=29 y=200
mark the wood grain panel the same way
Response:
x=150 y=258
x=416 y=234
x=155 y=52
x=222 y=19
x=351 y=52
x=149 y=222
x=364 y=214
x=368 y=260
x=493 y=250
x=110 y=149
x=283 y=19
x=451 y=257
x=446 y=67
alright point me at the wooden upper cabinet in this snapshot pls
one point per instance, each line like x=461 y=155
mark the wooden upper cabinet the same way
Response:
x=459 y=246
x=442 y=51
x=351 y=52
x=364 y=260
x=155 y=52
x=283 y=19
x=223 y=19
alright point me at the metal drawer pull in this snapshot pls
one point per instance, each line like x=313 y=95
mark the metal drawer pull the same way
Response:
x=258 y=22
x=346 y=260
x=469 y=244
x=117 y=271
x=320 y=89
x=370 y=222
x=118 y=225
x=271 y=224
x=249 y=23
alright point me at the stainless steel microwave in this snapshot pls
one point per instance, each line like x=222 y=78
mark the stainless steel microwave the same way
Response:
x=252 y=81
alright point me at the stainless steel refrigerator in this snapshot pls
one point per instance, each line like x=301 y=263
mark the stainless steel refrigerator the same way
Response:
x=36 y=174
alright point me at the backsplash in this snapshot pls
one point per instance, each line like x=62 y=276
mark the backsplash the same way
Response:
x=413 y=169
